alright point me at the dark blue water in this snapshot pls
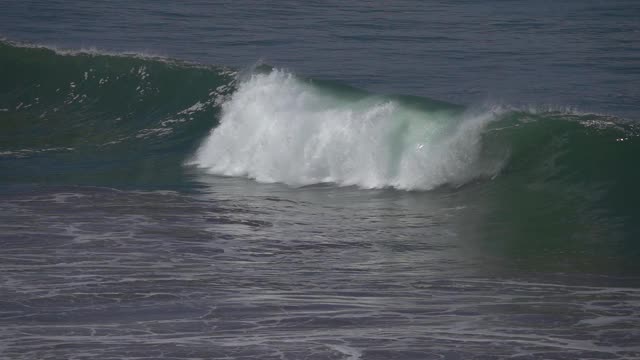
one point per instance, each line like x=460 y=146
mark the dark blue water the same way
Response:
x=582 y=54
x=319 y=180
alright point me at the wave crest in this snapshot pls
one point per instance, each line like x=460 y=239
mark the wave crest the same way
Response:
x=279 y=128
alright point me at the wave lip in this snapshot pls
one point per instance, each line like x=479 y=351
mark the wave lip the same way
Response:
x=279 y=128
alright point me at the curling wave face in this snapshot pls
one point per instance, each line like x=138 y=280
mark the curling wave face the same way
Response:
x=93 y=118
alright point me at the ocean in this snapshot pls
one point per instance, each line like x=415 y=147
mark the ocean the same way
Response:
x=319 y=180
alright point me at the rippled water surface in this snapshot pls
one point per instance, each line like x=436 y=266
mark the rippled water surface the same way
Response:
x=259 y=271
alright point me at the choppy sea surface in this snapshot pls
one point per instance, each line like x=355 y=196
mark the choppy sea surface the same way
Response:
x=319 y=180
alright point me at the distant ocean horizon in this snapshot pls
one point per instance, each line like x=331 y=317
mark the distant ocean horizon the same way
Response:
x=416 y=180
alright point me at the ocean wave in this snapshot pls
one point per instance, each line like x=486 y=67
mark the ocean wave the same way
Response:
x=274 y=126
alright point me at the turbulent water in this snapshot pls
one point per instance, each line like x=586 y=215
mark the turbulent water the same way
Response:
x=160 y=208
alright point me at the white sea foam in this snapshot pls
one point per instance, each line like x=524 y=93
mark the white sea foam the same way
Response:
x=277 y=128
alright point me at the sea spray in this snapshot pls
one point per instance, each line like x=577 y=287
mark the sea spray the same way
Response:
x=279 y=128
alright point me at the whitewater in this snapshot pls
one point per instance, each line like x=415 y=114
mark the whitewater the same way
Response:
x=276 y=128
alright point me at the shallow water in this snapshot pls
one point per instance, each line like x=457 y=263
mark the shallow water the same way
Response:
x=260 y=271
